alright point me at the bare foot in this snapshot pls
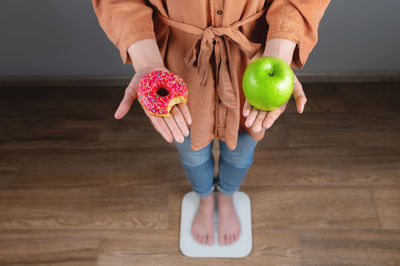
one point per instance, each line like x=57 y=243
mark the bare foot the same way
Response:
x=203 y=222
x=229 y=224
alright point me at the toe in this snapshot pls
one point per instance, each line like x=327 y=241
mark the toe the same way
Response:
x=234 y=238
x=230 y=240
x=201 y=239
x=210 y=239
x=221 y=239
x=226 y=239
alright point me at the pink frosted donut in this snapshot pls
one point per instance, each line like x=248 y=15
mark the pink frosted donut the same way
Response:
x=159 y=90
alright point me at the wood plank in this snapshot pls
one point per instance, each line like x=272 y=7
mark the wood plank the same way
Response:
x=133 y=131
x=311 y=207
x=79 y=103
x=331 y=165
x=49 y=247
x=8 y=172
x=162 y=248
x=8 y=177
x=387 y=202
x=139 y=207
x=175 y=196
x=33 y=133
x=351 y=247
x=344 y=129
x=349 y=77
x=93 y=167
x=371 y=97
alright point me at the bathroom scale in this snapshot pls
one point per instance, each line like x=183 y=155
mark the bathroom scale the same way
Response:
x=191 y=248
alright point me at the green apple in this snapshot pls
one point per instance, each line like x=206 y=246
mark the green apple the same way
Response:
x=268 y=83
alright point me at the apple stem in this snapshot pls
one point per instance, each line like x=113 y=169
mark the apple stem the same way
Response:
x=272 y=73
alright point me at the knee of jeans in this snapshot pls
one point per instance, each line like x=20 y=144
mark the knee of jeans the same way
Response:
x=241 y=159
x=191 y=157
x=242 y=155
x=194 y=158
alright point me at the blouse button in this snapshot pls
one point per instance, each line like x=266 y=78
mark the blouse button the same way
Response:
x=219 y=12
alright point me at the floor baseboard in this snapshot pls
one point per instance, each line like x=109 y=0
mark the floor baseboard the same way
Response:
x=121 y=81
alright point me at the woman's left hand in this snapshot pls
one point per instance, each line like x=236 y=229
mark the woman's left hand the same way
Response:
x=258 y=119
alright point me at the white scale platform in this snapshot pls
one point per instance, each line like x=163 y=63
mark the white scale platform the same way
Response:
x=240 y=248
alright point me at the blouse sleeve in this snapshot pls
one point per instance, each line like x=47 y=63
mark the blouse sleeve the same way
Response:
x=297 y=21
x=125 y=22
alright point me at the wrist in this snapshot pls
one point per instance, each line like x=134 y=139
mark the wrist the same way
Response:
x=145 y=54
x=280 y=48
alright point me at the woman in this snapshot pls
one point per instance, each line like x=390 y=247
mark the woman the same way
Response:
x=209 y=44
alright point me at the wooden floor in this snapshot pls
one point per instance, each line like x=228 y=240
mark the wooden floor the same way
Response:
x=78 y=187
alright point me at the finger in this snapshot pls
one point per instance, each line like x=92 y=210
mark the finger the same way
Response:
x=126 y=103
x=299 y=95
x=162 y=128
x=246 y=108
x=170 y=121
x=185 y=112
x=180 y=121
x=259 y=120
x=129 y=96
x=252 y=116
x=272 y=116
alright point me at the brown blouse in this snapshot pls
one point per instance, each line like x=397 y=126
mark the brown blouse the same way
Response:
x=209 y=43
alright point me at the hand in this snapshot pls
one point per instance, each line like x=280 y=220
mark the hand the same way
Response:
x=175 y=126
x=258 y=119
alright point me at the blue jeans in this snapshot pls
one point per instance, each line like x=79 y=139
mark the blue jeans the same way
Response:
x=233 y=165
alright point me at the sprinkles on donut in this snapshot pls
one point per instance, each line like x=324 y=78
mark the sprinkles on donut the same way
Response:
x=159 y=91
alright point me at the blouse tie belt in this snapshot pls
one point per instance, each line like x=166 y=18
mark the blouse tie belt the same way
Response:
x=217 y=39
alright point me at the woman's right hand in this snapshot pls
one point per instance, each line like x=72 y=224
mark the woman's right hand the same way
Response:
x=175 y=126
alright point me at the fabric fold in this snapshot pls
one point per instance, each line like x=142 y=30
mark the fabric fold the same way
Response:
x=216 y=39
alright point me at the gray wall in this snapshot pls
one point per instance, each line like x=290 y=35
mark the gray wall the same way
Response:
x=54 y=37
